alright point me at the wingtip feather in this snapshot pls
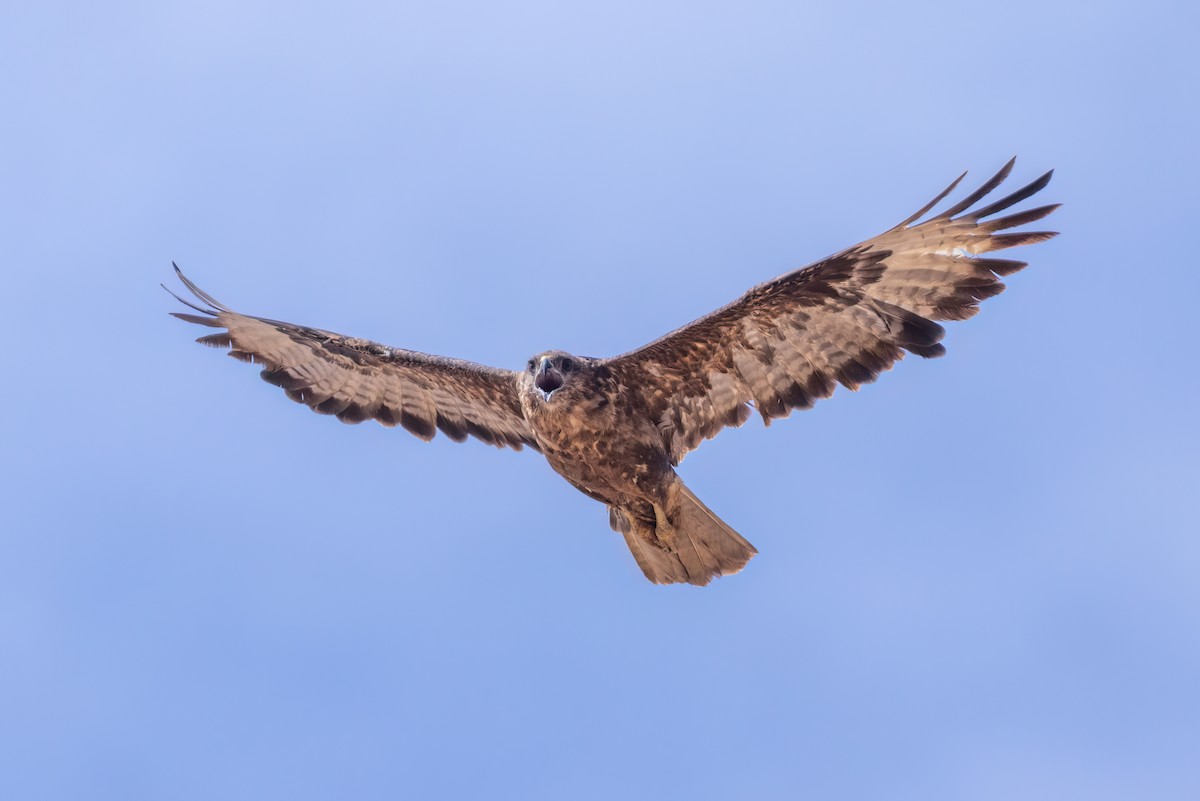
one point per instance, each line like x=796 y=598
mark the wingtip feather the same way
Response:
x=980 y=193
x=1030 y=189
x=187 y=303
x=197 y=291
x=941 y=195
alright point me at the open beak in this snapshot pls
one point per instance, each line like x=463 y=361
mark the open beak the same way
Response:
x=547 y=379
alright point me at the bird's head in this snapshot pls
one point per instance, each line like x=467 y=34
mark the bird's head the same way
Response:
x=552 y=372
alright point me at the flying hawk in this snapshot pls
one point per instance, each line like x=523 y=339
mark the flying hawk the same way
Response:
x=616 y=428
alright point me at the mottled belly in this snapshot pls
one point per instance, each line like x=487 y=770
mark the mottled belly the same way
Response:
x=610 y=468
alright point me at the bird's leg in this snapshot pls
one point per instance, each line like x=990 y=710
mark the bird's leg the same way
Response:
x=664 y=530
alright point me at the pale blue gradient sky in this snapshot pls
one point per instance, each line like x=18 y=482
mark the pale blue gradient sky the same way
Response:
x=978 y=578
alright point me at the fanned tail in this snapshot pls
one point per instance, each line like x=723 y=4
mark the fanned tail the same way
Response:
x=688 y=542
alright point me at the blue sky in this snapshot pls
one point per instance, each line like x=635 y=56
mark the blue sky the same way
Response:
x=977 y=579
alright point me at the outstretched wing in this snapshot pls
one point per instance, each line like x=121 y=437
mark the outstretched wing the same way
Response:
x=357 y=380
x=787 y=343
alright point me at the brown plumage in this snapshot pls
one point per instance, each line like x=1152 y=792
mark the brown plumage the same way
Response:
x=616 y=428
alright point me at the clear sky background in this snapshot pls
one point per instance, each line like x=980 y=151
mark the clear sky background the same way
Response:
x=979 y=578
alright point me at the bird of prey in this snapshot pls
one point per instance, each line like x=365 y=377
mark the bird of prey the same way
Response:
x=617 y=427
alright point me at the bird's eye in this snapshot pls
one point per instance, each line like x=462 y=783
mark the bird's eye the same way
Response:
x=530 y=364
x=567 y=365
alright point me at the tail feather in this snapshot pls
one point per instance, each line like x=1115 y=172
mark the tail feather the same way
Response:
x=687 y=542
x=719 y=549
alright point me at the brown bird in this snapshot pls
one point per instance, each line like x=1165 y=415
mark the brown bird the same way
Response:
x=617 y=427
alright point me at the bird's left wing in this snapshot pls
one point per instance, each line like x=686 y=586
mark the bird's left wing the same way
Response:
x=789 y=342
x=357 y=380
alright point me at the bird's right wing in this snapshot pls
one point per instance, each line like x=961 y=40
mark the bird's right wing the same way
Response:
x=357 y=380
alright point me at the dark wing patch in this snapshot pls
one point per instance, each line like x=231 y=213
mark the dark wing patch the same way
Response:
x=357 y=380
x=789 y=342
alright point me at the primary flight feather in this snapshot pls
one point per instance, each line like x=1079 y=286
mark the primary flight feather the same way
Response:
x=616 y=428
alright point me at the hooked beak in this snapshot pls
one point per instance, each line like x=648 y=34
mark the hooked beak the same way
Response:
x=547 y=379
